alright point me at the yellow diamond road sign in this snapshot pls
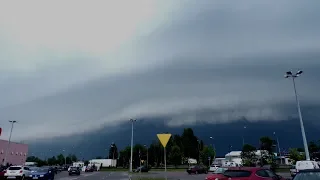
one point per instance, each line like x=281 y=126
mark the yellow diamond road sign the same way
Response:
x=164 y=138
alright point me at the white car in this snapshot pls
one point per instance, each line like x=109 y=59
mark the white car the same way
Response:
x=213 y=167
x=17 y=172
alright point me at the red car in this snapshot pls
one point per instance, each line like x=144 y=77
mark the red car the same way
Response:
x=217 y=174
x=247 y=173
x=2 y=171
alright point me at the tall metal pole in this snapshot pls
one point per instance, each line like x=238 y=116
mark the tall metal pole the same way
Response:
x=278 y=144
x=199 y=150
x=305 y=143
x=243 y=136
x=9 y=141
x=65 y=157
x=165 y=162
x=147 y=155
x=132 y=121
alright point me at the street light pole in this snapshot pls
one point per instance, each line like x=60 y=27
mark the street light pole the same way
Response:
x=9 y=142
x=278 y=144
x=65 y=158
x=147 y=155
x=243 y=136
x=199 y=150
x=214 y=149
x=305 y=143
x=132 y=122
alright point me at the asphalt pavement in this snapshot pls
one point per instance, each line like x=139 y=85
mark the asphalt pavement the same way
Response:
x=93 y=176
x=102 y=175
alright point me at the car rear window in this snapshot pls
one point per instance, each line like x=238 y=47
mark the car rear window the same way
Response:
x=308 y=176
x=14 y=168
x=237 y=173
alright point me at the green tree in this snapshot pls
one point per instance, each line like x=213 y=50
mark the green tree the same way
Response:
x=52 y=161
x=295 y=155
x=248 y=155
x=175 y=155
x=190 y=144
x=60 y=159
x=206 y=153
x=267 y=155
x=99 y=157
x=313 y=149
x=113 y=151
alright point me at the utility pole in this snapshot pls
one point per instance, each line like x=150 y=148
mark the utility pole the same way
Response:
x=147 y=155
x=132 y=122
x=304 y=139
x=9 y=142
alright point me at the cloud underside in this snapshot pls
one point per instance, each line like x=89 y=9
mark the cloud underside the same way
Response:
x=185 y=63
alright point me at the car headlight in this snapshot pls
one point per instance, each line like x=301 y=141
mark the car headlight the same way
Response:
x=41 y=175
x=30 y=175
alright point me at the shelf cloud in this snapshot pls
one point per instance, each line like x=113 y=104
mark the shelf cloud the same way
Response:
x=74 y=67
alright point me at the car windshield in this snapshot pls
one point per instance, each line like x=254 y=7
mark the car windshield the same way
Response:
x=237 y=173
x=34 y=168
x=220 y=171
x=43 y=170
x=307 y=176
x=14 y=168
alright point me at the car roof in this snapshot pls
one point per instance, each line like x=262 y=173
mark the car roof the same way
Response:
x=310 y=170
x=252 y=169
x=16 y=166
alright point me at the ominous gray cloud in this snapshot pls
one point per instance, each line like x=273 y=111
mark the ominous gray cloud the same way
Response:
x=210 y=61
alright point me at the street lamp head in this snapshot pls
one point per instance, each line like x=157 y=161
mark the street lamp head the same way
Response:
x=289 y=73
x=133 y=120
x=299 y=72
x=211 y=137
x=286 y=76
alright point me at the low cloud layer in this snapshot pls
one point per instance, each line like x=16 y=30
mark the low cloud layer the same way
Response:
x=207 y=62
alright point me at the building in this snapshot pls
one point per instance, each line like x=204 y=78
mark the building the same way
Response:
x=235 y=156
x=17 y=153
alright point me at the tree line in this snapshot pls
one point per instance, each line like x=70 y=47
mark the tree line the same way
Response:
x=269 y=153
x=178 y=150
x=54 y=160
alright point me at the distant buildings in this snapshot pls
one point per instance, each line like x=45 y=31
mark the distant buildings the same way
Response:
x=17 y=153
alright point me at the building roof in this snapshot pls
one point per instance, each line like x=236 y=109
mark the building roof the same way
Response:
x=11 y=142
x=238 y=153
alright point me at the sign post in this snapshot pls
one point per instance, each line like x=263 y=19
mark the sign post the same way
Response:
x=164 y=138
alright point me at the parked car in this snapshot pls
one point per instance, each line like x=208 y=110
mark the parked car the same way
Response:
x=17 y=172
x=44 y=173
x=293 y=171
x=142 y=169
x=308 y=174
x=89 y=169
x=2 y=170
x=214 y=167
x=252 y=173
x=217 y=174
x=198 y=169
x=306 y=164
x=74 y=171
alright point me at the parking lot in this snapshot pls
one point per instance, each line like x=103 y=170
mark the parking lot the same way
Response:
x=126 y=176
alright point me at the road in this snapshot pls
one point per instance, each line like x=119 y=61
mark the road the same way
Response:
x=126 y=176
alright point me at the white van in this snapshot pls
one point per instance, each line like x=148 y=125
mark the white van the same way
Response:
x=214 y=167
x=302 y=165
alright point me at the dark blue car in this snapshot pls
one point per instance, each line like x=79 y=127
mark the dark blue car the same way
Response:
x=42 y=174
